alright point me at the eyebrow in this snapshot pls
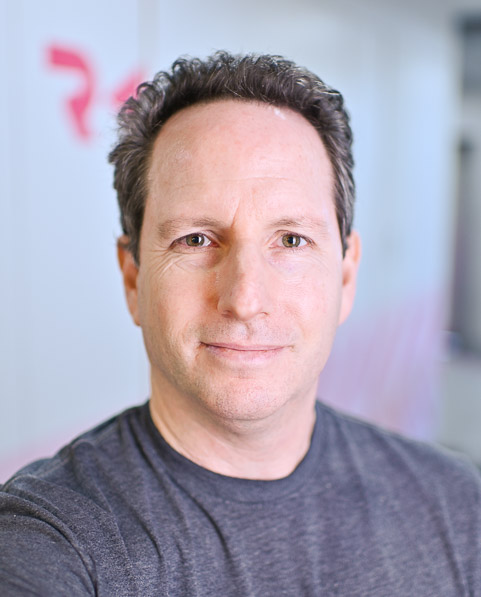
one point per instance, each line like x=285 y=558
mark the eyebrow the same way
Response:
x=302 y=221
x=173 y=225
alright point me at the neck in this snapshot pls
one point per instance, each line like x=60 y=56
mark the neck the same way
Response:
x=264 y=449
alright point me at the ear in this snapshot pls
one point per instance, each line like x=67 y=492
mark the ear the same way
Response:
x=130 y=272
x=350 y=265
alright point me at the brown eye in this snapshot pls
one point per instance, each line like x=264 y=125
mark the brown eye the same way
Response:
x=196 y=240
x=291 y=241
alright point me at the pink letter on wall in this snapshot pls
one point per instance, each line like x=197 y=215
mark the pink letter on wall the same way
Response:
x=126 y=89
x=78 y=104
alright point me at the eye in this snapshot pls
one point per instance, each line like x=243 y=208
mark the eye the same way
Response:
x=196 y=240
x=292 y=241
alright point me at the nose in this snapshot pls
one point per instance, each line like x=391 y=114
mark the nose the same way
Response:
x=243 y=284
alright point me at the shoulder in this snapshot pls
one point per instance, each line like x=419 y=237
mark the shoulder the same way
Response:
x=395 y=460
x=422 y=503
x=83 y=460
x=56 y=515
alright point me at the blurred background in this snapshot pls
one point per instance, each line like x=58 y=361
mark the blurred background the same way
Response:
x=409 y=358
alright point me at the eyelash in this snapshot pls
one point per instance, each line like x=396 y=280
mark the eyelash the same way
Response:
x=183 y=240
x=303 y=239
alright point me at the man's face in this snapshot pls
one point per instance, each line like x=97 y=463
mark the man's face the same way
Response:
x=241 y=283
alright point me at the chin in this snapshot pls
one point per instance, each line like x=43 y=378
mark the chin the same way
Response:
x=244 y=402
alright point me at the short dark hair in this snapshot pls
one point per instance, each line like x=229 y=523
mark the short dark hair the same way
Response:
x=259 y=78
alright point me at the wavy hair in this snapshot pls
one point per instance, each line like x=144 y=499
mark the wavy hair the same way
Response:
x=262 y=78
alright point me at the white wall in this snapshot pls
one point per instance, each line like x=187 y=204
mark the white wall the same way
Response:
x=66 y=339
x=69 y=355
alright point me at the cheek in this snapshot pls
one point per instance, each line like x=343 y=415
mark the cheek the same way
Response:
x=293 y=269
x=170 y=299
x=307 y=268
x=320 y=272
x=314 y=301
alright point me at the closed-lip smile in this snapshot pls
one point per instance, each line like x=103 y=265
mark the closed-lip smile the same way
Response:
x=252 y=355
x=243 y=347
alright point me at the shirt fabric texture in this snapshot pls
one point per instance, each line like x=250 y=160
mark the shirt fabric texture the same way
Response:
x=366 y=513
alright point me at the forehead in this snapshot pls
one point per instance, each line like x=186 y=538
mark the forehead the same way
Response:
x=228 y=147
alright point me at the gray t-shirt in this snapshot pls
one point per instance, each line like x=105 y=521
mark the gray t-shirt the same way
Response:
x=118 y=512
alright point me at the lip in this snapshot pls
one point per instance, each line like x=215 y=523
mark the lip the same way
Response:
x=243 y=347
x=243 y=354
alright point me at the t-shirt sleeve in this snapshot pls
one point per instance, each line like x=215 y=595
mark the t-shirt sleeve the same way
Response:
x=38 y=555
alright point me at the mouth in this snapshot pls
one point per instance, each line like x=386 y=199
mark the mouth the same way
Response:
x=251 y=354
x=244 y=347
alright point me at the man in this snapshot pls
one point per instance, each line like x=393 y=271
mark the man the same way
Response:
x=239 y=262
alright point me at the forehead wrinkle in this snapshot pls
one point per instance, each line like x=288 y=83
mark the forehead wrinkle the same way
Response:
x=211 y=180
